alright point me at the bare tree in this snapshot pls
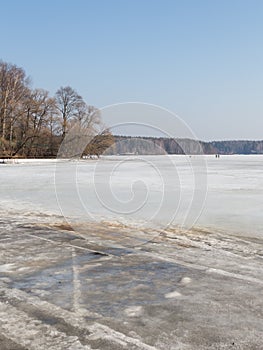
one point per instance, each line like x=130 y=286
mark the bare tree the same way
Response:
x=99 y=144
x=85 y=125
x=69 y=104
x=34 y=123
x=13 y=88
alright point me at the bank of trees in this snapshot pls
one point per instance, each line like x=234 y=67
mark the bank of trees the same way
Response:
x=34 y=124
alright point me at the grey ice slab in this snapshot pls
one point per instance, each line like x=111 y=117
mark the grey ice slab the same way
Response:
x=195 y=290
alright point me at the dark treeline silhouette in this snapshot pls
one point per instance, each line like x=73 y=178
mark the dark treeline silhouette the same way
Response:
x=162 y=145
x=33 y=123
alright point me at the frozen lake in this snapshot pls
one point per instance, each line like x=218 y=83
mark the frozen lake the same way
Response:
x=101 y=286
x=224 y=194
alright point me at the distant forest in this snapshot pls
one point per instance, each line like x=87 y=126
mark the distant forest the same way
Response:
x=153 y=145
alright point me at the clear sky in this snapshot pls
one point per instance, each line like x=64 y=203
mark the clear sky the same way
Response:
x=202 y=59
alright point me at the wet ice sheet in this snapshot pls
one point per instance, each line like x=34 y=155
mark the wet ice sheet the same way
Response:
x=197 y=290
x=234 y=197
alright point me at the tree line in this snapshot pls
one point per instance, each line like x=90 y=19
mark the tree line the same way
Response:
x=162 y=145
x=34 y=124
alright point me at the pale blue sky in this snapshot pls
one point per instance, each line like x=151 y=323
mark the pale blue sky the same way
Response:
x=201 y=59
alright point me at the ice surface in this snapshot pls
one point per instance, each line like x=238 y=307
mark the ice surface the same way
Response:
x=143 y=191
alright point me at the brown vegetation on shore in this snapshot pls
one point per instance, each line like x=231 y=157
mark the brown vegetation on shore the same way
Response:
x=33 y=123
